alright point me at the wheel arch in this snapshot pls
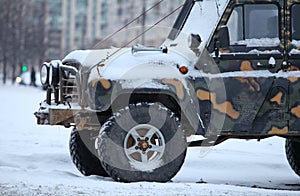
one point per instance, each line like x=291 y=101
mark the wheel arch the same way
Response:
x=167 y=100
x=184 y=110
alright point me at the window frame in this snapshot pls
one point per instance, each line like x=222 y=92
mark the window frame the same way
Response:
x=279 y=36
x=291 y=19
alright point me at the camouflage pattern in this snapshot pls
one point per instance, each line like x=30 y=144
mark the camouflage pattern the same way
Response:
x=259 y=105
x=108 y=94
x=233 y=105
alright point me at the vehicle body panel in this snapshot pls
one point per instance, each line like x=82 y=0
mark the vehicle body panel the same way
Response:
x=245 y=89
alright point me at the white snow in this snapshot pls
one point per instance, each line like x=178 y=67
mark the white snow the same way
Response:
x=34 y=160
x=80 y=55
x=262 y=42
x=148 y=65
x=203 y=18
x=294 y=51
x=238 y=74
x=143 y=83
x=296 y=43
x=255 y=51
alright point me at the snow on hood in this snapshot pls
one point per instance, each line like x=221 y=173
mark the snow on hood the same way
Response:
x=143 y=65
x=90 y=58
x=79 y=55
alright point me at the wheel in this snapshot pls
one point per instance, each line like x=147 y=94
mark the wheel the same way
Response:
x=292 y=150
x=86 y=161
x=142 y=142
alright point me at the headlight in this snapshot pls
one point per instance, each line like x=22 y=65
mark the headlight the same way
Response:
x=55 y=65
x=18 y=80
x=46 y=74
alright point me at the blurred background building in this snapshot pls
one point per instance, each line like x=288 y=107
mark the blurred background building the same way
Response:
x=50 y=29
x=72 y=24
x=123 y=11
x=81 y=24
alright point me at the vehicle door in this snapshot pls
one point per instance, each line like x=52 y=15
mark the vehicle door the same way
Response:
x=247 y=47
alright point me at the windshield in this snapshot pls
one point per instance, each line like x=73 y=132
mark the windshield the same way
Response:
x=204 y=18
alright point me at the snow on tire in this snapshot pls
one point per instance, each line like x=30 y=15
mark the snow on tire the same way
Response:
x=292 y=149
x=80 y=150
x=142 y=142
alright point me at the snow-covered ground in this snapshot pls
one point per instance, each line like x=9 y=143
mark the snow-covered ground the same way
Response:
x=35 y=160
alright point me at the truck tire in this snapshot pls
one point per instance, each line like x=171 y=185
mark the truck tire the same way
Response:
x=85 y=161
x=292 y=150
x=142 y=142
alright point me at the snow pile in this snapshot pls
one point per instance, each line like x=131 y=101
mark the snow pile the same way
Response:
x=35 y=161
x=296 y=43
x=296 y=50
x=255 y=51
x=262 y=42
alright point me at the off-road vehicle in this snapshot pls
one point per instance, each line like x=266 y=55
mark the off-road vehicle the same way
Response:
x=136 y=109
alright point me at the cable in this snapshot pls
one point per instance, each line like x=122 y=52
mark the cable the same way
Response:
x=138 y=36
x=132 y=21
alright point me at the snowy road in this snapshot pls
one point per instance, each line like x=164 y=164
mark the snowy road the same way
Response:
x=35 y=160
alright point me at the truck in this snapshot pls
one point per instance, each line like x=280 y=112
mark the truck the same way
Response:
x=136 y=109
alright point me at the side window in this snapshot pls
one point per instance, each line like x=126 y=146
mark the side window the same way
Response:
x=235 y=25
x=254 y=25
x=296 y=22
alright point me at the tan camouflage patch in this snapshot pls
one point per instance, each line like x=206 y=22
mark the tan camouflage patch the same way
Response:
x=296 y=111
x=225 y=107
x=59 y=116
x=276 y=130
x=293 y=68
x=94 y=82
x=277 y=98
x=281 y=45
x=105 y=83
x=203 y=95
x=224 y=51
x=246 y=66
x=252 y=84
x=224 y=19
x=293 y=79
x=81 y=123
x=178 y=86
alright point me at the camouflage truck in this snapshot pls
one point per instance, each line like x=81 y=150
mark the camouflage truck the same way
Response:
x=135 y=110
